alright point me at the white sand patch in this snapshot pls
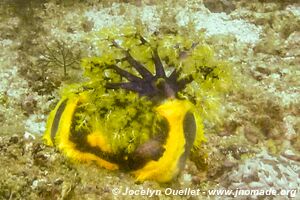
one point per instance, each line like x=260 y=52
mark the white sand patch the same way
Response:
x=295 y=10
x=35 y=124
x=220 y=24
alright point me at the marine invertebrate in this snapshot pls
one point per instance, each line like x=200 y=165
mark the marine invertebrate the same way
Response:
x=140 y=111
x=59 y=54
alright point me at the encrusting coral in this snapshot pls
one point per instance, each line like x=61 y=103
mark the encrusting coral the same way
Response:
x=142 y=106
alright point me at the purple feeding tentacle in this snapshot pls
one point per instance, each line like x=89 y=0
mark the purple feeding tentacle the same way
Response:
x=183 y=82
x=174 y=75
x=157 y=87
x=143 y=71
x=159 y=68
x=124 y=73
x=132 y=86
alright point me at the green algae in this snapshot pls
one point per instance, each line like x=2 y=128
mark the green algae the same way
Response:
x=128 y=119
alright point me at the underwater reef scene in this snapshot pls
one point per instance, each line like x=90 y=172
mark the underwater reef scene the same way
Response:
x=147 y=99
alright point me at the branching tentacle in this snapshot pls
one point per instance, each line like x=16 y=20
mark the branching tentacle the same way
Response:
x=183 y=82
x=159 y=68
x=174 y=75
x=125 y=74
x=143 y=71
x=132 y=86
x=157 y=86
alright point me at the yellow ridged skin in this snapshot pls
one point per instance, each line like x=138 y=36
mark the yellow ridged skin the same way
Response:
x=62 y=141
x=162 y=170
x=47 y=134
x=166 y=168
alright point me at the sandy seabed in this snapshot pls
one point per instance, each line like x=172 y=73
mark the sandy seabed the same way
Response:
x=257 y=145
